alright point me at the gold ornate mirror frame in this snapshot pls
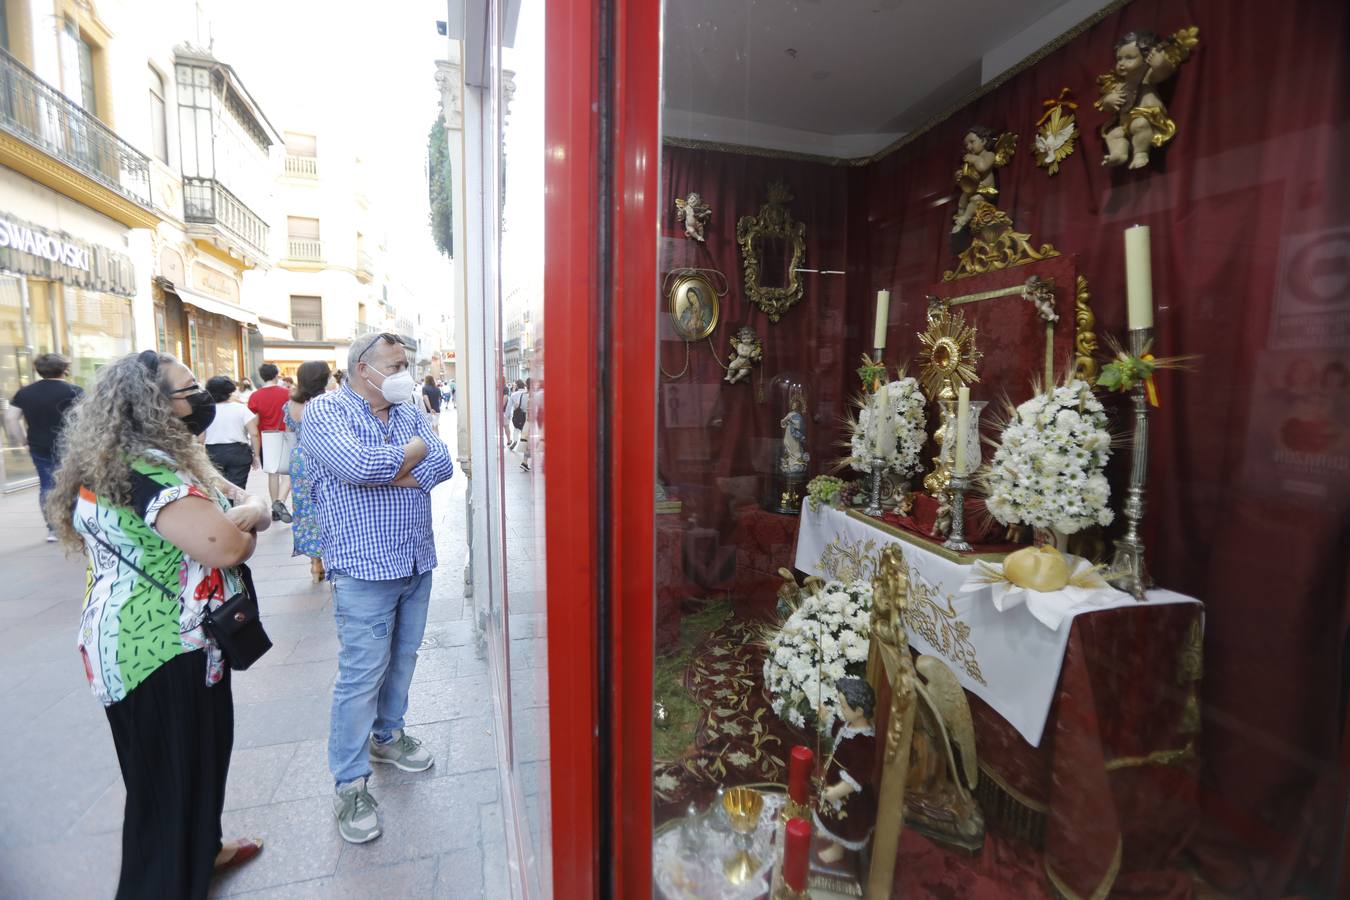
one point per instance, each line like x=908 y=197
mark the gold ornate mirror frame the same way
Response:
x=773 y=221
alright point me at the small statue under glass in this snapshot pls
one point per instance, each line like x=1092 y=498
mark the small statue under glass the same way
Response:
x=848 y=798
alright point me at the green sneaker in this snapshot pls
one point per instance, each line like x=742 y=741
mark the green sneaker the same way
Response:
x=404 y=751
x=355 y=811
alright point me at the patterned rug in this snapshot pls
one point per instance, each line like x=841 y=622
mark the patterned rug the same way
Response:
x=738 y=739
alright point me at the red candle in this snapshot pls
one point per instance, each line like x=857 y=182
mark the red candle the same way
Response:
x=799 y=774
x=796 y=854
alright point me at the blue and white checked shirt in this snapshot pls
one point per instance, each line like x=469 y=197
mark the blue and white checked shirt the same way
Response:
x=371 y=529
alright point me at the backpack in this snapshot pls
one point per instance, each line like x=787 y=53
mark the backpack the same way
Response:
x=518 y=417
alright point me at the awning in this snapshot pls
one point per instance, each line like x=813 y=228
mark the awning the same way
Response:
x=211 y=305
x=272 y=332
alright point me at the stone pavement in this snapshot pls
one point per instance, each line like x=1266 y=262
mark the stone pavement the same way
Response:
x=61 y=803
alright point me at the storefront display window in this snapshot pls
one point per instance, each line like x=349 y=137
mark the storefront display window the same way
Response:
x=1000 y=420
x=15 y=371
x=100 y=331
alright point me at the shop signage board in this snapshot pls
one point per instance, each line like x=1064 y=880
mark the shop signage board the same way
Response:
x=30 y=249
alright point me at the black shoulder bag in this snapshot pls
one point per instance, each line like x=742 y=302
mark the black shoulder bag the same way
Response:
x=234 y=625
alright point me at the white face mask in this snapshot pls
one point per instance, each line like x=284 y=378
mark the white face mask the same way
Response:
x=396 y=388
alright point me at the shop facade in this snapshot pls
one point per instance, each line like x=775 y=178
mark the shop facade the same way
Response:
x=67 y=285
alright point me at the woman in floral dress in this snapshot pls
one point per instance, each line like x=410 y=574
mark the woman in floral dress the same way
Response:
x=311 y=380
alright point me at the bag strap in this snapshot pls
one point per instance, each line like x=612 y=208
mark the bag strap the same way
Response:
x=137 y=569
x=173 y=595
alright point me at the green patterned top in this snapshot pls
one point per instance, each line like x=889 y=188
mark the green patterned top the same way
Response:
x=129 y=627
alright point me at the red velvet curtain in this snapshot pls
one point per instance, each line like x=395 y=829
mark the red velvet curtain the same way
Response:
x=1249 y=475
x=718 y=442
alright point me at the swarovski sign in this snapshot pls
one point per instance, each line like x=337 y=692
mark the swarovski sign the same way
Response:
x=37 y=242
x=30 y=249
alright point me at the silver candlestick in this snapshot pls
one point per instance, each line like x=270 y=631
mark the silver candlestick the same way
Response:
x=1128 y=572
x=874 y=489
x=956 y=538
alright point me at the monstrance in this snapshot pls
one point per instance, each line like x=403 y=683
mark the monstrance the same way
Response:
x=947 y=360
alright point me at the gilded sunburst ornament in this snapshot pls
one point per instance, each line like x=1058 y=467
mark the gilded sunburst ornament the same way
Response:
x=947 y=353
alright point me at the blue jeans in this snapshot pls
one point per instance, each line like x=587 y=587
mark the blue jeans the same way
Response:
x=46 y=469
x=379 y=628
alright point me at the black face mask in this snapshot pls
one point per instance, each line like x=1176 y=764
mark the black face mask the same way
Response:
x=203 y=412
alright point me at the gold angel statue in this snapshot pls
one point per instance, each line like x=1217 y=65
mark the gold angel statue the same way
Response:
x=1139 y=120
x=975 y=178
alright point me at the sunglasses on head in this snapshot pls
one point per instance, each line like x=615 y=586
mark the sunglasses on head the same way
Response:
x=382 y=336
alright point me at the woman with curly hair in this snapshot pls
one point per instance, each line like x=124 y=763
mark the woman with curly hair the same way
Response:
x=306 y=537
x=137 y=492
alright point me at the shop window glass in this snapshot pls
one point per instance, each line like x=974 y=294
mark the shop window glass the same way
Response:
x=16 y=370
x=100 y=331
x=834 y=192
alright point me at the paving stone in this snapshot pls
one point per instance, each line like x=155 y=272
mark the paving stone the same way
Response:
x=288 y=680
x=282 y=721
x=255 y=773
x=301 y=843
x=460 y=875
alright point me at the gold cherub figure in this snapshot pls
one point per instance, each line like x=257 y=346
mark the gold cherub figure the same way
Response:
x=1139 y=119
x=975 y=178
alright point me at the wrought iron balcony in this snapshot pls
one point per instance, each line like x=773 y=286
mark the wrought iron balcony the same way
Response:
x=307 y=330
x=304 y=249
x=208 y=202
x=38 y=114
x=302 y=166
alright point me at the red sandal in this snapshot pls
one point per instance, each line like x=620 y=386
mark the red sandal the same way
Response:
x=245 y=851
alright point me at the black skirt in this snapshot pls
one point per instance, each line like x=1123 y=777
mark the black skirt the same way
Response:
x=173 y=735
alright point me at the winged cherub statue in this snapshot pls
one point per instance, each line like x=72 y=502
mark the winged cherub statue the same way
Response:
x=1139 y=120
x=975 y=178
x=748 y=349
x=694 y=214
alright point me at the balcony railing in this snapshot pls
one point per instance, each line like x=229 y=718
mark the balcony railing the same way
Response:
x=302 y=166
x=309 y=330
x=365 y=265
x=362 y=328
x=303 y=248
x=208 y=202
x=38 y=114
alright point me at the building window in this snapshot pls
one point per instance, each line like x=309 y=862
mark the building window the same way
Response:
x=303 y=238
x=306 y=318
x=77 y=67
x=159 y=126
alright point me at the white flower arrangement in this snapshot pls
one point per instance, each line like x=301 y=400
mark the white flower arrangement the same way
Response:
x=825 y=638
x=891 y=427
x=1048 y=470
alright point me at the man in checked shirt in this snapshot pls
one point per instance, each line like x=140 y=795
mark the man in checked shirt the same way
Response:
x=374 y=460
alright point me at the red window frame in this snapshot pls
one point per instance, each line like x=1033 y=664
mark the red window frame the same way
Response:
x=602 y=147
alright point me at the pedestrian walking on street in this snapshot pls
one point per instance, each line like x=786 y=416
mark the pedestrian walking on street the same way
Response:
x=40 y=410
x=374 y=459
x=269 y=403
x=137 y=492
x=232 y=441
x=431 y=402
x=306 y=535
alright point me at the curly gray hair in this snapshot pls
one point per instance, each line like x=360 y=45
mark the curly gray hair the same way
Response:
x=126 y=415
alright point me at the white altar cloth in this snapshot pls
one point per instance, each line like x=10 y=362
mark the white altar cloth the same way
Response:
x=1007 y=659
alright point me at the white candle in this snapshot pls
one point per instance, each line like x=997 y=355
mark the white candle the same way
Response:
x=883 y=311
x=1138 y=277
x=962 y=426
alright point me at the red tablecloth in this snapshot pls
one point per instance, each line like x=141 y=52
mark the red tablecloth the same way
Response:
x=1110 y=798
